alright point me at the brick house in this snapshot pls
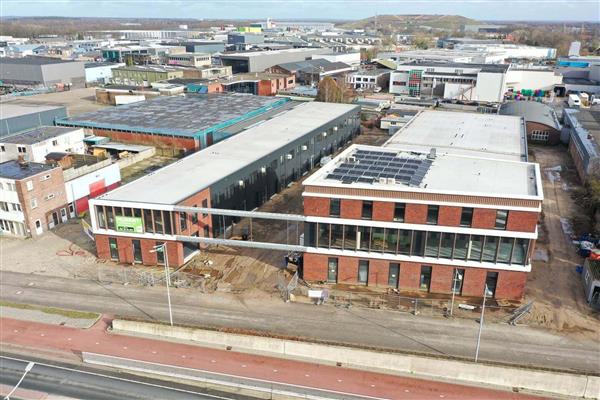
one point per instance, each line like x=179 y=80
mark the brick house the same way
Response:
x=32 y=198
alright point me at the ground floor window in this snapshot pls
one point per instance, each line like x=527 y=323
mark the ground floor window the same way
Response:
x=458 y=278
x=425 y=279
x=393 y=275
x=137 y=250
x=332 y=270
x=491 y=280
x=540 y=136
x=363 y=272
x=114 y=249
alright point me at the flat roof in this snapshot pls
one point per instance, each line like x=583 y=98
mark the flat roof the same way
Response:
x=261 y=53
x=13 y=170
x=37 y=135
x=10 y=110
x=482 y=135
x=497 y=68
x=187 y=115
x=180 y=180
x=445 y=173
x=35 y=60
x=136 y=148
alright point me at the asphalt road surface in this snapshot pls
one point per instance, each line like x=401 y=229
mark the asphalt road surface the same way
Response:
x=48 y=378
x=385 y=329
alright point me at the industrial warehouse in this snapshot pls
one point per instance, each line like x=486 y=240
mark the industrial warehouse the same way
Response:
x=261 y=157
x=448 y=205
x=187 y=123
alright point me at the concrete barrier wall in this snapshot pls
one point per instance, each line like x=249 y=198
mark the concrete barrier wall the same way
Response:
x=467 y=372
x=134 y=158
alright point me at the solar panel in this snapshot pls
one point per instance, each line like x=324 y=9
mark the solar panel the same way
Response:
x=368 y=166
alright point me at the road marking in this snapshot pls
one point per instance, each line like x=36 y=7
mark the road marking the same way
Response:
x=243 y=365
x=274 y=370
x=153 y=351
x=183 y=356
x=241 y=377
x=18 y=292
x=307 y=375
x=119 y=378
x=212 y=361
x=41 y=334
x=16 y=331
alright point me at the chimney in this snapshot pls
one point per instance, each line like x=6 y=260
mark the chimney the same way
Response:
x=431 y=154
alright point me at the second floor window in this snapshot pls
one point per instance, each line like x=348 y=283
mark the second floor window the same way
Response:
x=432 y=214
x=466 y=217
x=367 y=210
x=334 y=207
x=501 y=218
x=399 y=210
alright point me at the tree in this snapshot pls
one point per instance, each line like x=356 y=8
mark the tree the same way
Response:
x=329 y=91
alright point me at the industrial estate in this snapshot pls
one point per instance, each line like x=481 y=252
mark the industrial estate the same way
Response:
x=300 y=209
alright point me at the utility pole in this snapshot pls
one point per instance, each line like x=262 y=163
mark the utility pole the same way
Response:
x=481 y=323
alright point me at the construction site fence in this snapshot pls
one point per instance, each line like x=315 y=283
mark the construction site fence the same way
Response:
x=424 y=306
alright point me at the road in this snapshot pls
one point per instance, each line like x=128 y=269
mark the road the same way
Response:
x=378 y=328
x=50 y=378
x=265 y=376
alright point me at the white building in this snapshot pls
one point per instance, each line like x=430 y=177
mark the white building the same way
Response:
x=352 y=58
x=532 y=78
x=100 y=72
x=369 y=79
x=469 y=82
x=190 y=59
x=33 y=145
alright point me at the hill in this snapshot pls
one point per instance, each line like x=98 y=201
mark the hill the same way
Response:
x=410 y=22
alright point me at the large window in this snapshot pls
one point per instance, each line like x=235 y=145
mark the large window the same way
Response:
x=418 y=245
x=501 y=218
x=323 y=237
x=394 y=275
x=447 y=245
x=367 y=210
x=404 y=242
x=363 y=271
x=399 y=211
x=101 y=217
x=377 y=239
x=158 y=221
x=466 y=217
x=350 y=237
x=334 y=207
x=137 y=251
x=505 y=250
x=364 y=232
x=110 y=218
x=491 y=280
x=167 y=222
x=433 y=244
x=391 y=240
x=114 y=249
x=432 y=214
x=337 y=236
x=520 y=251
x=457 y=280
x=461 y=246
x=489 y=249
x=182 y=221
x=148 y=221
x=476 y=247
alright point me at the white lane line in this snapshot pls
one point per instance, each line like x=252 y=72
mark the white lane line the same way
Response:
x=119 y=379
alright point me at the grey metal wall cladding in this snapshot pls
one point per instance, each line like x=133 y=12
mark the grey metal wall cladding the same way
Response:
x=269 y=175
x=10 y=126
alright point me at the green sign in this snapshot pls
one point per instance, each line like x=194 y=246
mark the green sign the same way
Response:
x=128 y=224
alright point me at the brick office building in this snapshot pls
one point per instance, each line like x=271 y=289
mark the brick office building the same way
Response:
x=32 y=198
x=417 y=217
x=241 y=173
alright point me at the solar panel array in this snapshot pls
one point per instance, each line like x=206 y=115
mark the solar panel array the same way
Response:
x=366 y=166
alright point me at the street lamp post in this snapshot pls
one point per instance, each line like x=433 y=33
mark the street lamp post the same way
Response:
x=163 y=249
x=481 y=323
x=27 y=369
x=456 y=277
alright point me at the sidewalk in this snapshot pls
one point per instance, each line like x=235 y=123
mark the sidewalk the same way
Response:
x=98 y=340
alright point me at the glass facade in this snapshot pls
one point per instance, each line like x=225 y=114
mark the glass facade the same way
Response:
x=148 y=221
x=442 y=245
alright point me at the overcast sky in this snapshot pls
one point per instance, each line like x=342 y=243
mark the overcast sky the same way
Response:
x=557 y=10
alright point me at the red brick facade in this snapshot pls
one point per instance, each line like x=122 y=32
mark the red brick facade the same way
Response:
x=483 y=218
x=174 y=249
x=181 y=143
x=510 y=284
x=553 y=134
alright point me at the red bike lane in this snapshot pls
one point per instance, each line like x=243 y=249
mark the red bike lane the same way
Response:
x=97 y=339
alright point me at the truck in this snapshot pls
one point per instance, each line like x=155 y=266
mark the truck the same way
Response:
x=574 y=101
